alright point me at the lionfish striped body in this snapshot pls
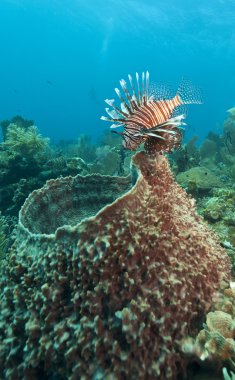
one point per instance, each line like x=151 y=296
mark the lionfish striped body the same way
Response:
x=148 y=118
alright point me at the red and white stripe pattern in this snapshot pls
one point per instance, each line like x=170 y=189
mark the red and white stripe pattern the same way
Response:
x=146 y=118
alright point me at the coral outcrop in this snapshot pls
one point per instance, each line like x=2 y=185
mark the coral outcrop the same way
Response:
x=17 y=120
x=219 y=211
x=98 y=288
x=26 y=143
x=216 y=341
x=3 y=237
x=198 y=179
x=107 y=161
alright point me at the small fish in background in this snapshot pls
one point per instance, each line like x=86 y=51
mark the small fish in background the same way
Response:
x=150 y=116
x=49 y=82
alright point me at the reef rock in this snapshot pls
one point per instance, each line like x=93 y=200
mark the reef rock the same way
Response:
x=216 y=340
x=198 y=179
x=97 y=288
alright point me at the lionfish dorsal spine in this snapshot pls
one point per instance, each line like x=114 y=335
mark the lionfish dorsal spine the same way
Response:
x=127 y=94
x=111 y=118
x=124 y=105
x=166 y=130
x=112 y=113
x=138 y=87
x=143 y=88
x=137 y=103
x=116 y=125
x=147 y=84
x=110 y=102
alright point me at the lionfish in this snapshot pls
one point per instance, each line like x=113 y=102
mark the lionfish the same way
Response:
x=149 y=116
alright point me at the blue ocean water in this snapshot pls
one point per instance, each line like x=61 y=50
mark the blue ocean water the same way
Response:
x=60 y=59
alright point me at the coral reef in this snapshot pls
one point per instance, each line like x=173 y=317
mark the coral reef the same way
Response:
x=95 y=289
x=215 y=153
x=77 y=166
x=198 y=180
x=111 y=139
x=26 y=166
x=214 y=209
x=27 y=161
x=219 y=211
x=225 y=144
x=211 y=181
x=186 y=157
x=22 y=154
x=208 y=149
x=107 y=161
x=16 y=120
x=217 y=337
x=216 y=341
x=82 y=148
x=7 y=226
x=27 y=143
x=111 y=161
x=3 y=237
x=86 y=150
x=21 y=160
x=108 y=158
x=229 y=132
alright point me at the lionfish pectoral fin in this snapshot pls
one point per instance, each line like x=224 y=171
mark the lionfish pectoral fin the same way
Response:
x=105 y=118
x=150 y=134
x=116 y=126
x=166 y=131
x=147 y=132
x=174 y=122
x=182 y=128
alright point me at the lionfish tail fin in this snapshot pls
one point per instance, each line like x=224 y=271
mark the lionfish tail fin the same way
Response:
x=188 y=93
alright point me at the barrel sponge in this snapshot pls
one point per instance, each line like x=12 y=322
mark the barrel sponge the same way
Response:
x=112 y=293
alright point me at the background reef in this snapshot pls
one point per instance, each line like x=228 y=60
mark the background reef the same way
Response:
x=100 y=174
x=207 y=171
x=98 y=280
x=108 y=294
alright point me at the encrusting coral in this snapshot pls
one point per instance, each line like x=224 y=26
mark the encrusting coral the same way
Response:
x=3 y=237
x=198 y=179
x=217 y=337
x=90 y=293
x=216 y=341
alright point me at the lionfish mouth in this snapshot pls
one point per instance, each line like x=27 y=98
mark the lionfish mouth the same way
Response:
x=149 y=116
